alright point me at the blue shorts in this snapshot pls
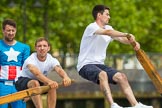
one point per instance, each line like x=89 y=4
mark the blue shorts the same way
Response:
x=8 y=89
x=91 y=72
x=22 y=82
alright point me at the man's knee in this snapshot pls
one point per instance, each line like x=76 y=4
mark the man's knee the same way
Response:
x=103 y=76
x=33 y=83
x=120 y=77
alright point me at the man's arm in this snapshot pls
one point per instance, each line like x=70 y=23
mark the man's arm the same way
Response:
x=131 y=39
x=34 y=70
x=119 y=36
x=63 y=74
x=111 y=33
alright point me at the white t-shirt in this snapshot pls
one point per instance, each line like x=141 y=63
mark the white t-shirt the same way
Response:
x=93 y=47
x=45 y=67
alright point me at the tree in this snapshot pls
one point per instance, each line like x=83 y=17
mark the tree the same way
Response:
x=63 y=22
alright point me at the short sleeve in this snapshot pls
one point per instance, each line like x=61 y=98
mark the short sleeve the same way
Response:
x=91 y=29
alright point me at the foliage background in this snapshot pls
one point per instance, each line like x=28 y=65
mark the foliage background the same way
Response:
x=63 y=22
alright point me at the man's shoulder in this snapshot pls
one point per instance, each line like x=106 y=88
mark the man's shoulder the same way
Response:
x=1 y=40
x=50 y=57
x=1 y=43
x=92 y=24
x=32 y=57
x=108 y=27
x=22 y=44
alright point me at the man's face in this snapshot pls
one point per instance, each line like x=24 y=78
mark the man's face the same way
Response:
x=42 y=48
x=105 y=17
x=9 y=33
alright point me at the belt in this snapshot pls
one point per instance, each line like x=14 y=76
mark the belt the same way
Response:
x=11 y=83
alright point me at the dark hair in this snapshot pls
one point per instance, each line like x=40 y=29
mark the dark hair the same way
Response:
x=42 y=39
x=8 y=22
x=98 y=9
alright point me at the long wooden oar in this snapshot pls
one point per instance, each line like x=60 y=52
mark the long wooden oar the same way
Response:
x=148 y=67
x=26 y=93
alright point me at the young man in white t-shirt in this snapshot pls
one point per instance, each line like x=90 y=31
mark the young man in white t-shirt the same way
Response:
x=94 y=43
x=35 y=70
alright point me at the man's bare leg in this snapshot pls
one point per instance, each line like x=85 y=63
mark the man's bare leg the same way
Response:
x=104 y=86
x=122 y=80
x=37 y=100
x=51 y=98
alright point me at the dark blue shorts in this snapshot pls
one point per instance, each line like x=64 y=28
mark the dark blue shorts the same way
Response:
x=91 y=72
x=21 y=83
